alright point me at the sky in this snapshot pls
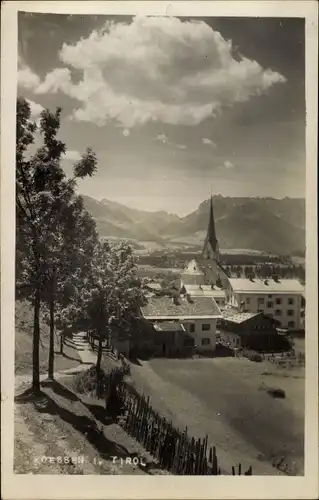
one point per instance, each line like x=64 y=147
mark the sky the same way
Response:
x=174 y=108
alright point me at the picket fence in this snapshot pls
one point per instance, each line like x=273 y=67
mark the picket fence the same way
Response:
x=175 y=451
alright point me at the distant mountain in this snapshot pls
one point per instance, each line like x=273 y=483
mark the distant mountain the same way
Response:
x=265 y=224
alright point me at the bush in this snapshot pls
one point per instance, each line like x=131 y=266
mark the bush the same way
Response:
x=85 y=382
x=276 y=393
x=253 y=356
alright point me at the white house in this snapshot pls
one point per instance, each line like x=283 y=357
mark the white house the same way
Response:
x=198 y=316
x=280 y=299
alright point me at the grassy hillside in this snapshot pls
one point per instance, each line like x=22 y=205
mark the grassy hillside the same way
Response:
x=23 y=344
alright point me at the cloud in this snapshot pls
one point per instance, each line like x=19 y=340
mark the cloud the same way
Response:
x=36 y=109
x=58 y=80
x=165 y=140
x=162 y=138
x=228 y=164
x=27 y=79
x=208 y=142
x=126 y=132
x=72 y=155
x=155 y=69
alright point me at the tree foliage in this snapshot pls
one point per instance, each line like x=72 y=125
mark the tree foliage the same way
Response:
x=61 y=266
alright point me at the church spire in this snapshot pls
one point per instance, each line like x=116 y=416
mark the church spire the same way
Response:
x=211 y=250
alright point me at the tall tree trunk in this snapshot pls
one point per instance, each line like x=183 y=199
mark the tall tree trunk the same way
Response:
x=51 y=344
x=36 y=342
x=98 y=366
x=61 y=342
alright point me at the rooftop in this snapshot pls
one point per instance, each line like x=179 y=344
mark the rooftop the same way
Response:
x=202 y=267
x=193 y=268
x=166 y=307
x=169 y=326
x=236 y=316
x=266 y=286
x=204 y=291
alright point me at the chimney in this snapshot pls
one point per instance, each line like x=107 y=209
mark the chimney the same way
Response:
x=189 y=298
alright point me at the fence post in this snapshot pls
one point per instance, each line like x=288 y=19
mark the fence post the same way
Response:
x=214 y=462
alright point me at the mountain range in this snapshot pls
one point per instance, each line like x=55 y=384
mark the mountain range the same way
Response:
x=262 y=224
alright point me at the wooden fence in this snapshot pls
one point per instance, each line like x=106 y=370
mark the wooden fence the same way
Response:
x=175 y=451
x=282 y=359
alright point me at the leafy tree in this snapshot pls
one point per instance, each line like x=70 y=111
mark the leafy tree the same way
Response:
x=112 y=294
x=46 y=210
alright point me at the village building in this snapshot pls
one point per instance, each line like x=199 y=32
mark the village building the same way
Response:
x=207 y=269
x=281 y=299
x=278 y=298
x=196 y=315
x=218 y=294
x=250 y=330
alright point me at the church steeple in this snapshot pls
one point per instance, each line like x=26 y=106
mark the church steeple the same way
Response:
x=211 y=249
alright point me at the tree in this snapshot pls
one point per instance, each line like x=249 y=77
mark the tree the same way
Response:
x=45 y=198
x=112 y=294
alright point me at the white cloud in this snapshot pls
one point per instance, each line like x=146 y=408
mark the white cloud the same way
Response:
x=181 y=146
x=208 y=142
x=162 y=138
x=155 y=69
x=72 y=155
x=58 y=80
x=228 y=164
x=36 y=109
x=126 y=132
x=27 y=79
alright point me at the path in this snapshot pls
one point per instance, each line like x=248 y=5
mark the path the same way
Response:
x=86 y=355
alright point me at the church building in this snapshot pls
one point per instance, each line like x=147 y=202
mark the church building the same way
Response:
x=206 y=270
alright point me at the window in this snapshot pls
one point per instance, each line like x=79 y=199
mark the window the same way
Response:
x=290 y=312
x=270 y=304
x=278 y=301
x=261 y=301
x=291 y=324
x=269 y=296
x=278 y=312
x=205 y=341
x=290 y=301
x=192 y=327
x=205 y=327
x=248 y=300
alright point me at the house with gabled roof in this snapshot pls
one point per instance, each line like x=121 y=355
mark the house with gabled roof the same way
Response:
x=197 y=315
x=257 y=331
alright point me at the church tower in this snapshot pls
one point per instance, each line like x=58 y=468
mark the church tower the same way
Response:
x=211 y=248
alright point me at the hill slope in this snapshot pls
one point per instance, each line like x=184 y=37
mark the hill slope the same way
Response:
x=265 y=224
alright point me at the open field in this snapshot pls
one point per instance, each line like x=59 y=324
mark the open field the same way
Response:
x=226 y=399
x=148 y=270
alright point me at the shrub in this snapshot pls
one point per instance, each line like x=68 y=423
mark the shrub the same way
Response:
x=253 y=356
x=276 y=392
